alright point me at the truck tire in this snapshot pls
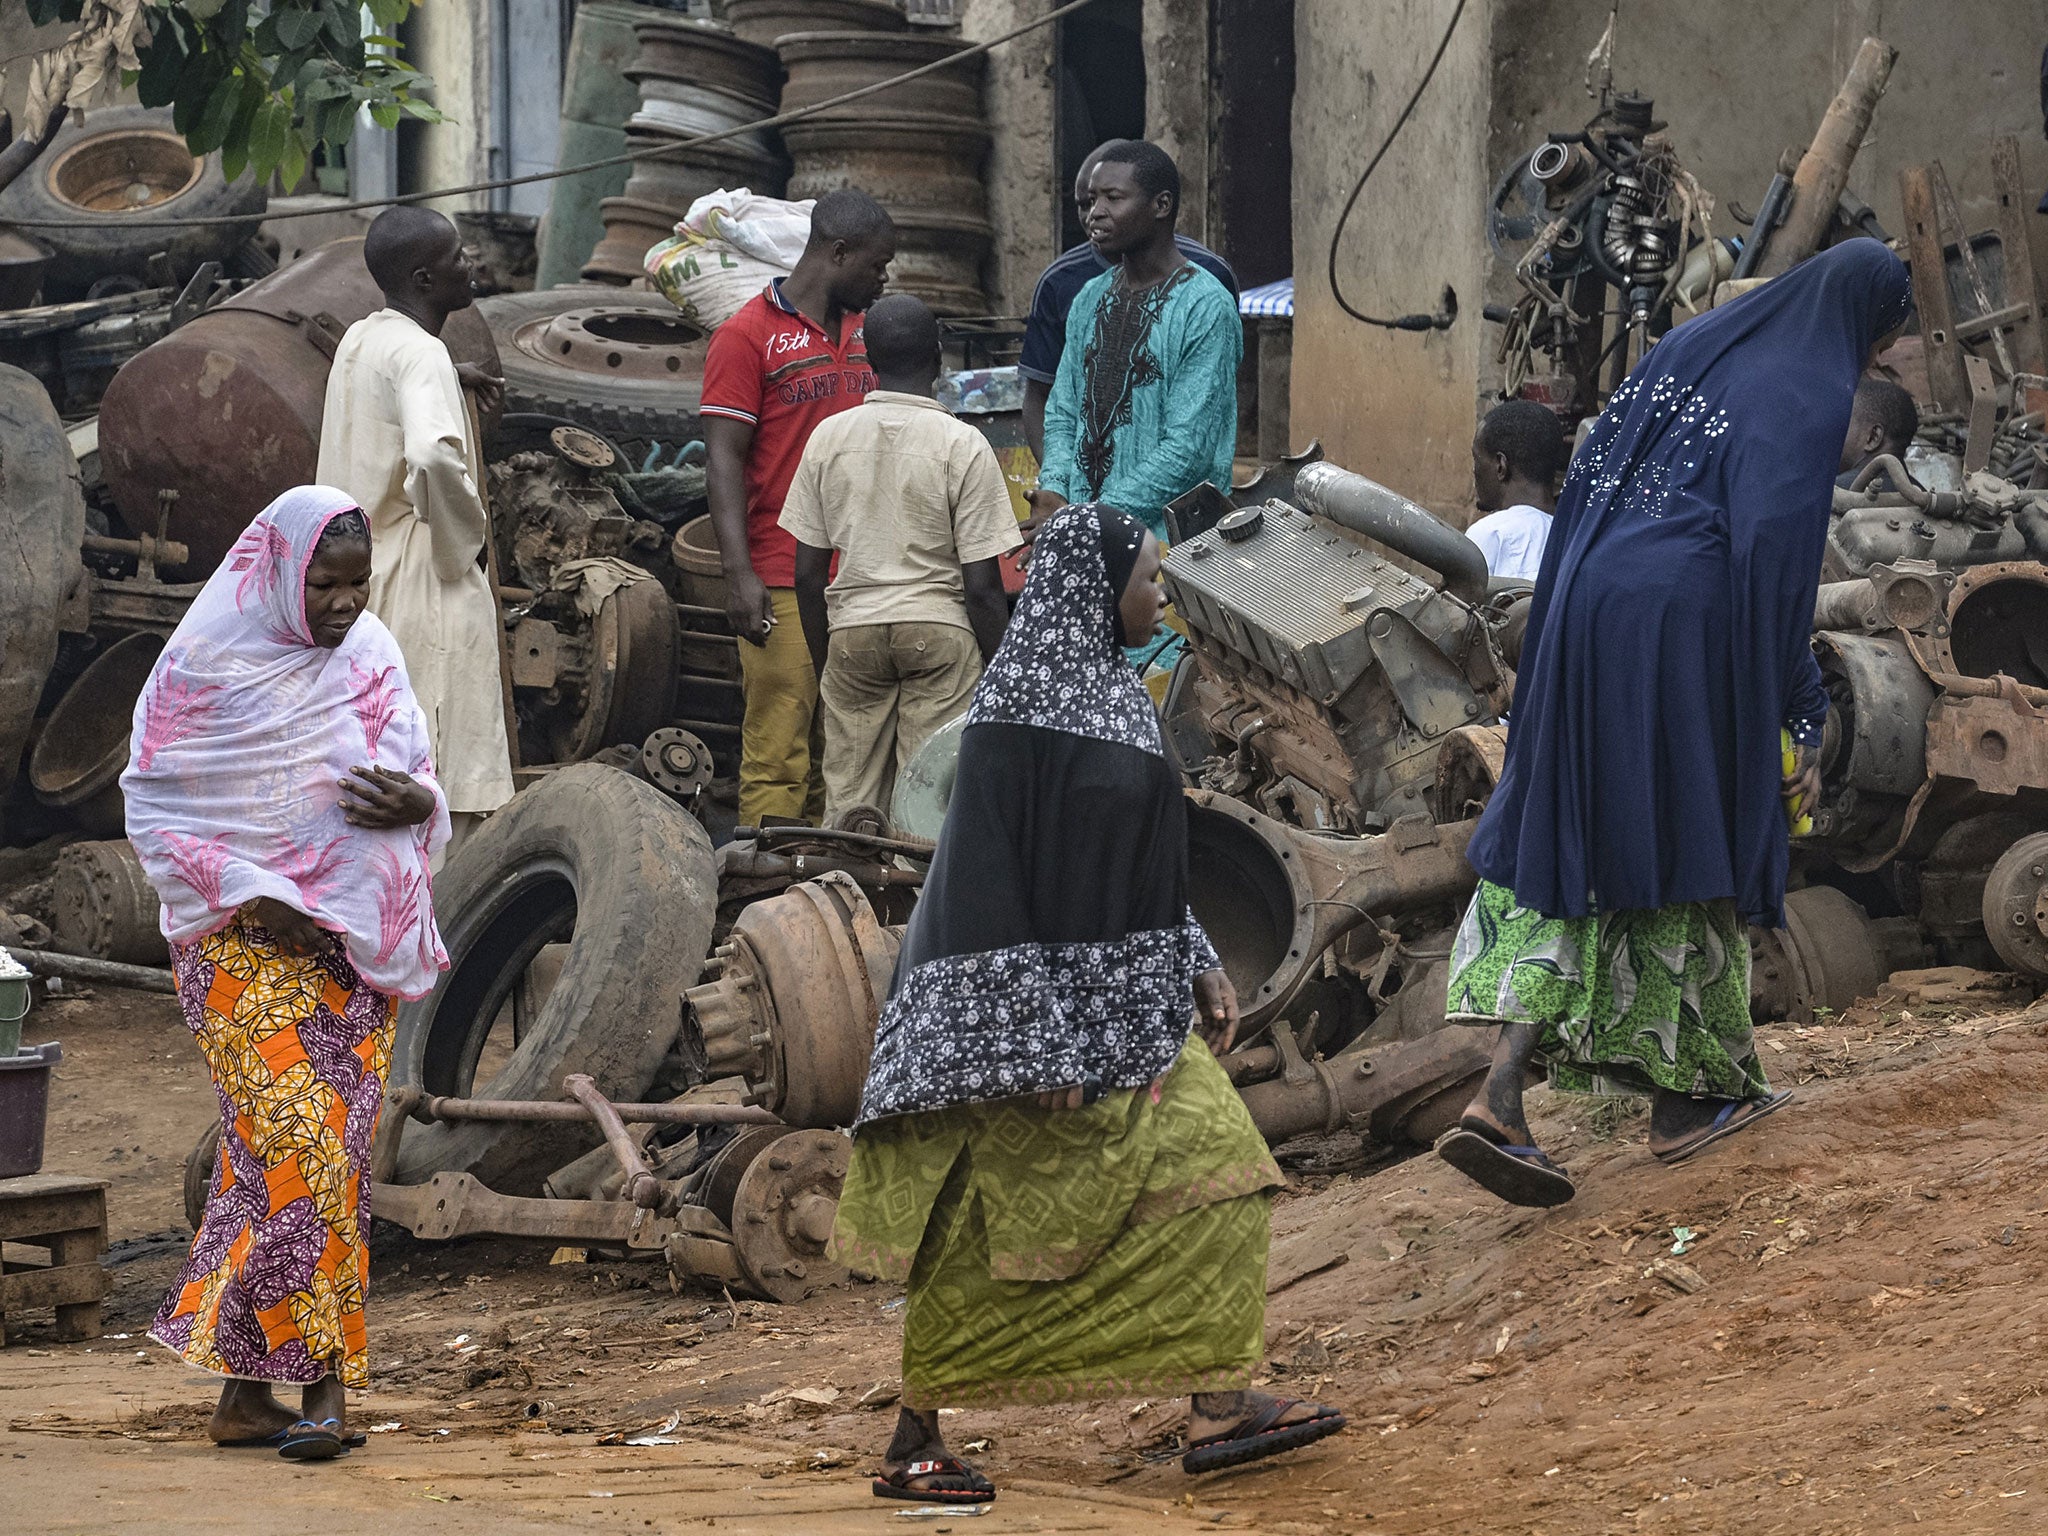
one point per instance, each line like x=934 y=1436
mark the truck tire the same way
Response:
x=624 y=365
x=42 y=520
x=80 y=175
x=614 y=867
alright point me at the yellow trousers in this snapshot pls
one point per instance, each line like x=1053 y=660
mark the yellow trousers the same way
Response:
x=782 y=748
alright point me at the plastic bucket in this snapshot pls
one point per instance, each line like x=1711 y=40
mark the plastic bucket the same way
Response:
x=24 y=1105
x=14 y=981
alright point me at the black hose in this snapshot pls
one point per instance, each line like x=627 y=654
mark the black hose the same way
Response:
x=1441 y=320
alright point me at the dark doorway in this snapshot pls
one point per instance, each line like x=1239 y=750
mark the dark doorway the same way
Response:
x=1101 y=75
x=1252 y=175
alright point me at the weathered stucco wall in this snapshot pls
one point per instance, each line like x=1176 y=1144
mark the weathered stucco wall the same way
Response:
x=1395 y=405
x=1177 y=106
x=452 y=41
x=1739 y=81
x=1019 y=173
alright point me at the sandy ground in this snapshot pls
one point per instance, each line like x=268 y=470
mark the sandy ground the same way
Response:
x=1846 y=1344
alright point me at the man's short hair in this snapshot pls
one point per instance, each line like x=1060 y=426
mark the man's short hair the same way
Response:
x=401 y=240
x=1890 y=407
x=849 y=214
x=901 y=334
x=1529 y=436
x=1152 y=168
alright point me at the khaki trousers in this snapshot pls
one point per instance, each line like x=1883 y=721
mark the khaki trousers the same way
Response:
x=887 y=688
x=780 y=747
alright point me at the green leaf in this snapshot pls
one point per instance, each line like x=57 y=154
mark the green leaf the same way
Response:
x=206 y=10
x=291 y=169
x=380 y=40
x=196 y=83
x=234 y=25
x=162 y=63
x=267 y=136
x=385 y=114
x=425 y=111
x=211 y=131
x=297 y=29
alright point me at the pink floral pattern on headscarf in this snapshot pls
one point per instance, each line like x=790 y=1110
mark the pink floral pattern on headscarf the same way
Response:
x=241 y=740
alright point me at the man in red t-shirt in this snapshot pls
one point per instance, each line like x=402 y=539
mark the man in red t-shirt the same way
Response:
x=792 y=356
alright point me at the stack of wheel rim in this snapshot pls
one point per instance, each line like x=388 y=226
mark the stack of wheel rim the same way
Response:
x=917 y=148
x=695 y=78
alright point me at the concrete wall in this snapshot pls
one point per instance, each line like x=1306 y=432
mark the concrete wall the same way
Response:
x=1395 y=405
x=1019 y=173
x=1178 y=116
x=1738 y=81
x=453 y=41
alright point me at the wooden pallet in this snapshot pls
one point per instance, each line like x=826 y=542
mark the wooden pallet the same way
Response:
x=68 y=1217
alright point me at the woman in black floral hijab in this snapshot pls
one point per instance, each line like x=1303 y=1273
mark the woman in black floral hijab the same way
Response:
x=1046 y=1156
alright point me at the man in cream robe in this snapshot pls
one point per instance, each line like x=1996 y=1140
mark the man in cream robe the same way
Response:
x=398 y=437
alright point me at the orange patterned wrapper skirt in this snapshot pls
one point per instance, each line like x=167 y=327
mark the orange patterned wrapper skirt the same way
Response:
x=299 y=1050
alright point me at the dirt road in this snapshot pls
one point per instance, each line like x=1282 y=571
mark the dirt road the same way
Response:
x=1847 y=1343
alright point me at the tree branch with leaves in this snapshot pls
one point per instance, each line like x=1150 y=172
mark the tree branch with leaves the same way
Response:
x=265 y=82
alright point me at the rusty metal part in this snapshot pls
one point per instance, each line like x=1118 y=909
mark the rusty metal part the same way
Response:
x=719 y=1180
x=672 y=48
x=676 y=762
x=873 y=842
x=642 y=1187
x=1907 y=594
x=549 y=509
x=2016 y=905
x=823 y=65
x=586 y=450
x=137 y=978
x=615 y=681
x=1363 y=506
x=1823 y=173
x=1997 y=623
x=1291 y=681
x=909 y=162
x=765 y=21
x=440 y=1107
x=1827 y=956
x=452 y=1205
x=42 y=513
x=746 y=862
x=1273 y=898
x=1874 y=749
x=1997 y=741
x=782 y=1214
x=105 y=905
x=617 y=343
x=1379 y=1093
x=799 y=986
x=1468 y=769
x=243 y=384
x=78 y=759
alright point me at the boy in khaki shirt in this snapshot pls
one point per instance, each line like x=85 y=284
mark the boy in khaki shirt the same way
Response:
x=913 y=503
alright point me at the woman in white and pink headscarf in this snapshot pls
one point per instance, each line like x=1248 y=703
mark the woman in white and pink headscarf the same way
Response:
x=281 y=799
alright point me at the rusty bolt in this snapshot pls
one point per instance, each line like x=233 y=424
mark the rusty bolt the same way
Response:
x=779 y=1163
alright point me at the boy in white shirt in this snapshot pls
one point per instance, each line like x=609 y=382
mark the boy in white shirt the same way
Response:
x=1517 y=455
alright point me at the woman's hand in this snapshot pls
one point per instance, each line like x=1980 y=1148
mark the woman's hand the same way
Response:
x=1061 y=1098
x=296 y=933
x=1216 y=1010
x=381 y=798
x=1804 y=779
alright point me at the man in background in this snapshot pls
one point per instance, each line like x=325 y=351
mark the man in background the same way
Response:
x=1517 y=456
x=1144 y=407
x=397 y=436
x=914 y=503
x=1045 y=334
x=1882 y=421
x=793 y=356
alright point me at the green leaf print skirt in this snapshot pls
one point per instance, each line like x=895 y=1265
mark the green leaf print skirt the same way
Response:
x=1630 y=1001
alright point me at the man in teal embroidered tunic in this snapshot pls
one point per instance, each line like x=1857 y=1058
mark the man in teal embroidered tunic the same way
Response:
x=1144 y=407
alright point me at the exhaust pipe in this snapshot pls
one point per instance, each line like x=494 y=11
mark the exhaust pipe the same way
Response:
x=1364 y=506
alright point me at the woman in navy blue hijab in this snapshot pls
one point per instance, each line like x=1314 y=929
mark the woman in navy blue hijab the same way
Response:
x=1638 y=824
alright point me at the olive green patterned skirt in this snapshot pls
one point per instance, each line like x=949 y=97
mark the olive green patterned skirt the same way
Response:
x=1116 y=1250
x=1630 y=1001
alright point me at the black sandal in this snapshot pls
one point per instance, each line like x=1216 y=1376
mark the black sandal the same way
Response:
x=1261 y=1435
x=307 y=1441
x=976 y=1490
x=1519 y=1175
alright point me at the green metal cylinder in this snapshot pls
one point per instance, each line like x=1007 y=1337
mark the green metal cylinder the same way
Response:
x=597 y=98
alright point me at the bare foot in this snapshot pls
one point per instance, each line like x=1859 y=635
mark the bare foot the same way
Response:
x=248 y=1410
x=326 y=1399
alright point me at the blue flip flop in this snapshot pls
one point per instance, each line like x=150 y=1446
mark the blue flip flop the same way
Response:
x=354 y=1441
x=1734 y=1116
x=1519 y=1175
x=307 y=1441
